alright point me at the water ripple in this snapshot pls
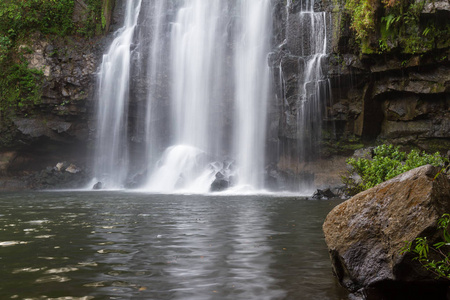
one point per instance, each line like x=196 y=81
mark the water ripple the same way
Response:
x=12 y=243
x=164 y=247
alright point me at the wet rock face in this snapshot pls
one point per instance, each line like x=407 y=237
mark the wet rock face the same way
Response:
x=365 y=234
x=68 y=87
x=59 y=125
x=398 y=96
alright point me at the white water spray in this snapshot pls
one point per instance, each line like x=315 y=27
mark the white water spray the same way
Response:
x=218 y=69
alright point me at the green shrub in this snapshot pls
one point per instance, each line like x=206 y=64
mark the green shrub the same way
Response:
x=362 y=13
x=387 y=162
x=47 y=16
x=438 y=261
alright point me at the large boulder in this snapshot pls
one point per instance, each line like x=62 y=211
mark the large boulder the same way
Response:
x=366 y=233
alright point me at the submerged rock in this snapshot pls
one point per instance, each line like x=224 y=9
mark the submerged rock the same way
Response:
x=98 y=186
x=323 y=194
x=220 y=183
x=365 y=236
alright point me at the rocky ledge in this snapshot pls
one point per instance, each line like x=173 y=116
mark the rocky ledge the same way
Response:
x=365 y=236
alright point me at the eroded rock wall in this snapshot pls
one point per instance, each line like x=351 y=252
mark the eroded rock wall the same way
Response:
x=386 y=88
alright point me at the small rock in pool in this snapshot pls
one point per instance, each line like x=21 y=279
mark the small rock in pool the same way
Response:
x=97 y=186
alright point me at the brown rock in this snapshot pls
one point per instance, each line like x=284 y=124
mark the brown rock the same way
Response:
x=5 y=160
x=365 y=234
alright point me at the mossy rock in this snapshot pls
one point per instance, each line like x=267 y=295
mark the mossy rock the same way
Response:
x=435 y=145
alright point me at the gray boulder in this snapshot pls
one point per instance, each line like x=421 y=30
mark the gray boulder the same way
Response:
x=365 y=236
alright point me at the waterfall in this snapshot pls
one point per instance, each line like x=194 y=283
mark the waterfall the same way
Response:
x=313 y=84
x=198 y=95
x=198 y=47
x=252 y=90
x=112 y=157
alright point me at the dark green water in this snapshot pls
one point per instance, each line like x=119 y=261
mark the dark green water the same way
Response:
x=117 y=245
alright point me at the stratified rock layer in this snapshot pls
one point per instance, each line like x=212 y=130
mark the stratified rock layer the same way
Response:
x=365 y=234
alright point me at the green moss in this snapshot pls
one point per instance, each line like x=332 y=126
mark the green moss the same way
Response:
x=437 y=145
x=96 y=17
x=366 y=48
x=103 y=20
x=343 y=146
x=20 y=88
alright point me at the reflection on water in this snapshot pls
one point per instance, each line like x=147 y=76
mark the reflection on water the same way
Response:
x=140 y=246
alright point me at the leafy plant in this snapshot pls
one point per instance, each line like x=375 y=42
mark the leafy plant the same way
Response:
x=390 y=19
x=426 y=31
x=440 y=265
x=382 y=45
x=398 y=25
x=363 y=16
x=387 y=162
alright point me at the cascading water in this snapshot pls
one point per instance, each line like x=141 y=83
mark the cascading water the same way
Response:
x=315 y=87
x=111 y=158
x=210 y=57
x=155 y=74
